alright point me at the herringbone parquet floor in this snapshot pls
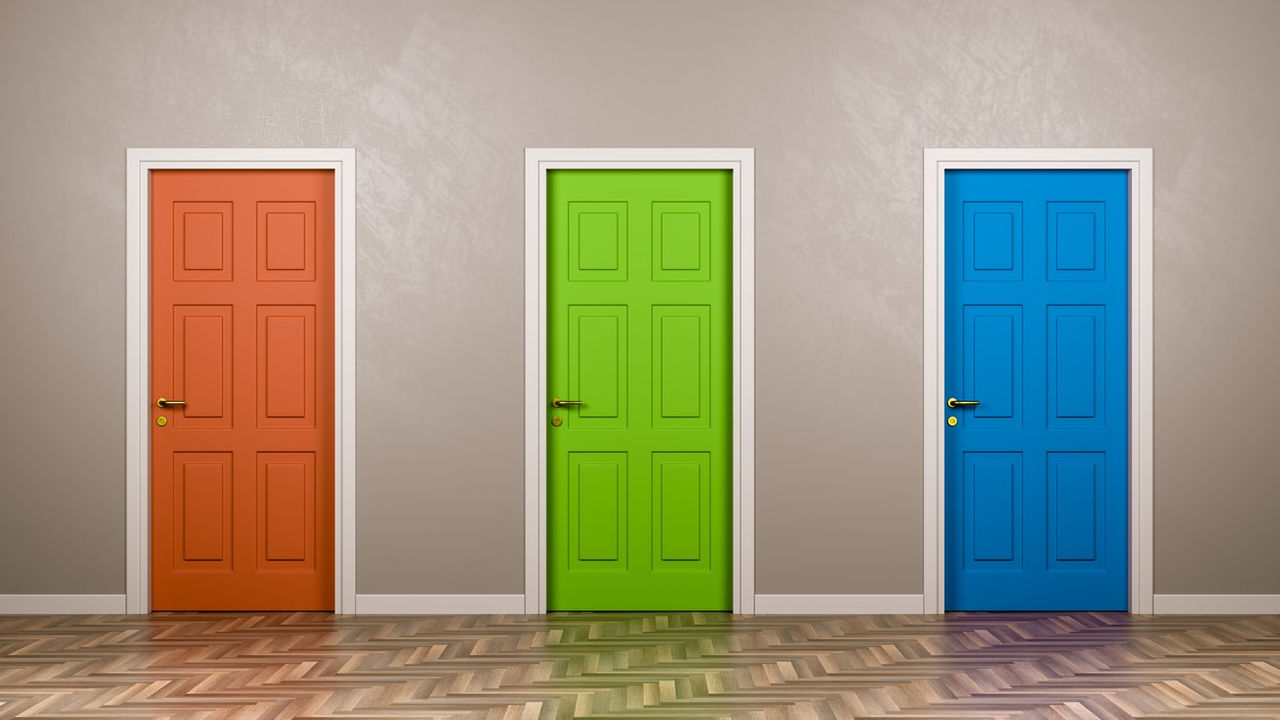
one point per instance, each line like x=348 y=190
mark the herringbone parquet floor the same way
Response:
x=632 y=665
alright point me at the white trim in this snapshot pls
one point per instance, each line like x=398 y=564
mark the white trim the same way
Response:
x=839 y=604
x=1217 y=604
x=439 y=604
x=61 y=604
x=742 y=162
x=1138 y=161
x=139 y=163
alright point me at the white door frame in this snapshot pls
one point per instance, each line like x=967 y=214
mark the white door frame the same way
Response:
x=139 y=164
x=1138 y=162
x=537 y=161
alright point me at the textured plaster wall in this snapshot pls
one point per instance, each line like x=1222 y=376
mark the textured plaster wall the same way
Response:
x=440 y=98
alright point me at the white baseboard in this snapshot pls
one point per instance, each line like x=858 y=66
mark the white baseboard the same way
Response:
x=839 y=604
x=1217 y=604
x=514 y=604
x=439 y=604
x=61 y=604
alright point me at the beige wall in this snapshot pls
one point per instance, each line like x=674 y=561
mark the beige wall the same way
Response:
x=439 y=99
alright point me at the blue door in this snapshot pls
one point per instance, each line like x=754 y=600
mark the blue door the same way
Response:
x=1037 y=482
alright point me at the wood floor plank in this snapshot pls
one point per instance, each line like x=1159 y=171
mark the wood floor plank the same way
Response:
x=1005 y=666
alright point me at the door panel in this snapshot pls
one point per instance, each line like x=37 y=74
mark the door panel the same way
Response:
x=202 y=365
x=598 y=500
x=993 y=489
x=1077 y=241
x=201 y=248
x=1077 y=537
x=1036 y=332
x=286 y=485
x=639 y=314
x=286 y=241
x=202 y=523
x=242 y=331
x=681 y=525
x=681 y=241
x=598 y=365
x=681 y=366
x=597 y=234
x=992 y=241
x=286 y=366
x=994 y=364
x=1077 y=351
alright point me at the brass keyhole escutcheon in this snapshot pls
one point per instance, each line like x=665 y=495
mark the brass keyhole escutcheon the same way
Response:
x=952 y=421
x=162 y=421
x=556 y=421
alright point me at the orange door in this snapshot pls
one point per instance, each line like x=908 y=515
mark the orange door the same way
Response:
x=242 y=332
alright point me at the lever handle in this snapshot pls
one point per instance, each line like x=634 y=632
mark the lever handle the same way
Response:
x=558 y=403
x=162 y=403
x=954 y=403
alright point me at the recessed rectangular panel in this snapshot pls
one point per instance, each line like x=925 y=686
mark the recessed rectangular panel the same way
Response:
x=1076 y=354
x=1077 y=234
x=1076 y=383
x=286 y=365
x=202 y=504
x=598 y=502
x=201 y=366
x=681 y=487
x=597 y=365
x=1076 y=509
x=286 y=510
x=286 y=241
x=1076 y=239
x=597 y=511
x=202 y=242
x=681 y=246
x=993 y=499
x=993 y=241
x=597 y=241
x=203 y=522
x=994 y=347
x=1074 y=496
x=598 y=368
x=203 y=341
x=681 y=235
x=681 y=382
x=681 y=366
x=993 y=364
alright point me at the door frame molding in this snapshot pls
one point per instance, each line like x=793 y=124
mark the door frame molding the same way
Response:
x=1141 y=486
x=741 y=161
x=139 y=164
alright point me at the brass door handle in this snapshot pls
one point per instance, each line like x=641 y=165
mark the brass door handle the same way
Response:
x=954 y=403
x=162 y=403
x=558 y=403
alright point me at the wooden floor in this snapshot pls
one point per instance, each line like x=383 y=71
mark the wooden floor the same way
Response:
x=624 y=665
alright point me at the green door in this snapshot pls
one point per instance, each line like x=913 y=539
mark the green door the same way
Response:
x=639 y=316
